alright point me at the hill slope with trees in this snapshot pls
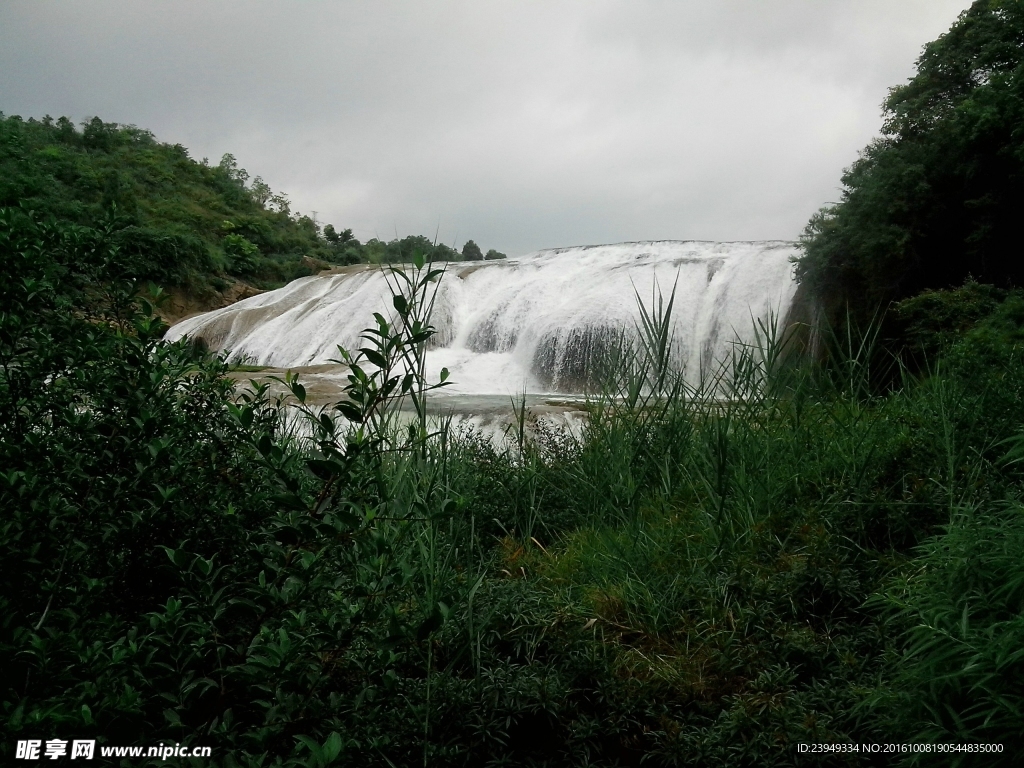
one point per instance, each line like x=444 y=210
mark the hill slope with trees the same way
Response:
x=172 y=220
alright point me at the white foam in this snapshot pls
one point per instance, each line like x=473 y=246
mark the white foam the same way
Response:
x=525 y=324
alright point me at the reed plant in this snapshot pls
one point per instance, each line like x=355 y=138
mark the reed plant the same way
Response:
x=724 y=544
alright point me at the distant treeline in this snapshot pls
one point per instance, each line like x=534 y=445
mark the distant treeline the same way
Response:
x=175 y=220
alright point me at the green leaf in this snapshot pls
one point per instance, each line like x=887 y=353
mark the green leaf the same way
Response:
x=290 y=501
x=332 y=747
x=313 y=747
x=375 y=357
x=350 y=411
x=245 y=416
x=176 y=556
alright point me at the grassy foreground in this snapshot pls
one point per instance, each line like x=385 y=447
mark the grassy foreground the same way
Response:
x=790 y=554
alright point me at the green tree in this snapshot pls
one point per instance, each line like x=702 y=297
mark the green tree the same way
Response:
x=471 y=251
x=261 y=192
x=938 y=197
x=338 y=238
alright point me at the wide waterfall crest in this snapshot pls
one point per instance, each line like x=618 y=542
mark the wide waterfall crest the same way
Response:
x=532 y=323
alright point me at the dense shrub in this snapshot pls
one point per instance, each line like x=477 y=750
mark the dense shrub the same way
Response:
x=169 y=566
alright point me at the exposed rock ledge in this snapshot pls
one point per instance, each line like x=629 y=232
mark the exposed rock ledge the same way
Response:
x=181 y=304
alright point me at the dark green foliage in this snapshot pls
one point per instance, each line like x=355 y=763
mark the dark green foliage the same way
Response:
x=242 y=253
x=972 y=323
x=471 y=251
x=171 y=565
x=934 y=320
x=406 y=249
x=493 y=254
x=337 y=238
x=938 y=198
x=961 y=674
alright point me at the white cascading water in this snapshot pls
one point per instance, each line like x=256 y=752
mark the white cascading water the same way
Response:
x=529 y=324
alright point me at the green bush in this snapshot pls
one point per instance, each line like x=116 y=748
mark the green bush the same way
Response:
x=177 y=566
x=243 y=254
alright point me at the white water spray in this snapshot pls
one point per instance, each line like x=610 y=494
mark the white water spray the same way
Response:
x=530 y=324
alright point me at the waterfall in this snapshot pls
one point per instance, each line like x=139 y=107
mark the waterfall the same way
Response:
x=533 y=323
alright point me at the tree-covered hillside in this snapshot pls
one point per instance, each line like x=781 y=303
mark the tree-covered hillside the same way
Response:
x=938 y=197
x=174 y=220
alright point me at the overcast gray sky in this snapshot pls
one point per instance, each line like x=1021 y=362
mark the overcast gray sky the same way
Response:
x=521 y=125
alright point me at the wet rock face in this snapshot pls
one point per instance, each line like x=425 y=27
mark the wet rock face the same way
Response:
x=491 y=335
x=574 y=359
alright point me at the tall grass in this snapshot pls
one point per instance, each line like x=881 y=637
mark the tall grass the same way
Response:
x=727 y=542
x=710 y=573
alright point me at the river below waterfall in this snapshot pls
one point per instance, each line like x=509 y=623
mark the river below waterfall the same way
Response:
x=491 y=416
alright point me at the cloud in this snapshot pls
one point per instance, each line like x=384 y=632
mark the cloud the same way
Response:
x=520 y=124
